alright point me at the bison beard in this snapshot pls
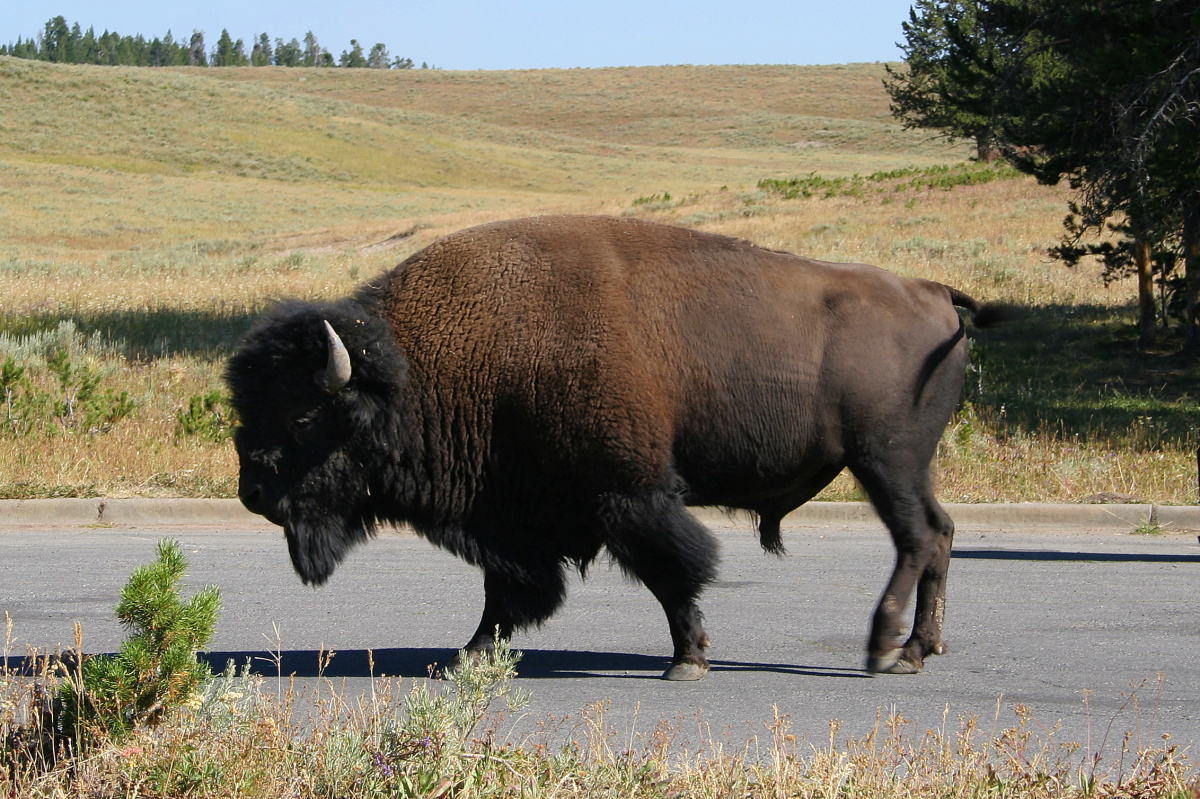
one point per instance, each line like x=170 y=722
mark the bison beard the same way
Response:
x=316 y=547
x=531 y=393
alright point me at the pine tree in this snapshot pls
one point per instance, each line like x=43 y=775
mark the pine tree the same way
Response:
x=27 y=49
x=55 y=38
x=262 y=54
x=379 y=59
x=354 y=58
x=224 y=55
x=1102 y=94
x=288 y=54
x=68 y=43
x=174 y=53
x=1107 y=101
x=314 y=56
x=156 y=667
x=88 y=49
x=951 y=60
x=197 y=57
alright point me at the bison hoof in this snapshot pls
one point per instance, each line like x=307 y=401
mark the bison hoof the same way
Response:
x=894 y=662
x=905 y=666
x=683 y=672
x=879 y=664
x=472 y=655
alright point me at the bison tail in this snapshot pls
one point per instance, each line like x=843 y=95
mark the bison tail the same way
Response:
x=983 y=314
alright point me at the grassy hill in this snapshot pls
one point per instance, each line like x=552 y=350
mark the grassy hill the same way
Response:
x=722 y=107
x=125 y=158
x=150 y=214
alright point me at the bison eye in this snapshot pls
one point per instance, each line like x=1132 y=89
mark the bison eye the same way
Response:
x=303 y=423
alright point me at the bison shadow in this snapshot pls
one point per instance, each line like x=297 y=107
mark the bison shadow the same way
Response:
x=425 y=662
x=534 y=664
x=1085 y=557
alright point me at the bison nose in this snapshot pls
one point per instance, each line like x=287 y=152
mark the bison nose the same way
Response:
x=251 y=497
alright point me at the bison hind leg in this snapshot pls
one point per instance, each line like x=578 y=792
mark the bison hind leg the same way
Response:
x=656 y=540
x=923 y=535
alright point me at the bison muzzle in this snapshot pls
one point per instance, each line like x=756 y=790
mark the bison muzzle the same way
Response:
x=529 y=393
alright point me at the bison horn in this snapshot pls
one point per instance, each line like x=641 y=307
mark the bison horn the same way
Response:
x=337 y=372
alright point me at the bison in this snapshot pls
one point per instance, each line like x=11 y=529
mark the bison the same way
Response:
x=528 y=393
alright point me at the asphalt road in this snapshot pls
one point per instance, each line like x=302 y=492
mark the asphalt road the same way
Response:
x=1094 y=631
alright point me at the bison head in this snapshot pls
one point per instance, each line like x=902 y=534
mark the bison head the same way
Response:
x=317 y=390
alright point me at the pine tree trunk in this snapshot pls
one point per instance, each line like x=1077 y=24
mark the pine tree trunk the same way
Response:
x=985 y=151
x=1191 y=263
x=1147 y=308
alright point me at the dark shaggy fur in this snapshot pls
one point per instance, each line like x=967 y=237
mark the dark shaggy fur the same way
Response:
x=530 y=393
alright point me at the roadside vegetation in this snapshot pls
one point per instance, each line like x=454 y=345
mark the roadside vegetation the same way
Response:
x=151 y=215
x=237 y=737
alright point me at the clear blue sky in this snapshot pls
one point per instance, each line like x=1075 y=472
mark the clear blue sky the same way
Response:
x=516 y=34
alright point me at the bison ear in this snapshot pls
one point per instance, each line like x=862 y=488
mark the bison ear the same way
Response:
x=336 y=373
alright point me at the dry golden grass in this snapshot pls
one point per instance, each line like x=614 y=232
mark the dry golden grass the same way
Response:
x=162 y=209
x=826 y=108
x=243 y=736
x=110 y=160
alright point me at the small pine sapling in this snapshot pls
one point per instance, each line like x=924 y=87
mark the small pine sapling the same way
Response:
x=156 y=668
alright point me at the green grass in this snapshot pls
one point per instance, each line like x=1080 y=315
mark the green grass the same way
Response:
x=942 y=176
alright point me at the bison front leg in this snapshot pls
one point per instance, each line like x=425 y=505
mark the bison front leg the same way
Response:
x=513 y=602
x=660 y=543
x=687 y=634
